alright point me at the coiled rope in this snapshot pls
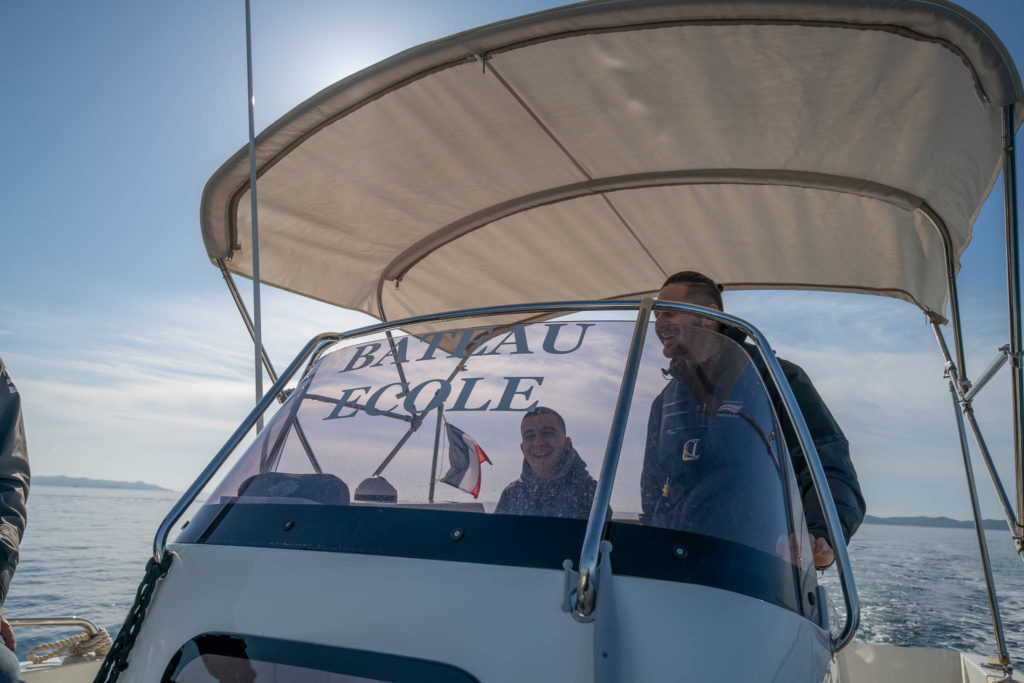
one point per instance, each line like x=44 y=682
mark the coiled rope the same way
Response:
x=81 y=644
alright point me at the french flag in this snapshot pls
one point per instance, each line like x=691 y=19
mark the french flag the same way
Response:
x=464 y=458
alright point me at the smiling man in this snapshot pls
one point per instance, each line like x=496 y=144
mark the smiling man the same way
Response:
x=701 y=374
x=554 y=481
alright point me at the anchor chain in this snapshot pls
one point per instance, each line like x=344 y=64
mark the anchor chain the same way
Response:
x=116 y=660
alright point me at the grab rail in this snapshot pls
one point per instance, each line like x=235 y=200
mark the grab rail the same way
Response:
x=586 y=592
x=596 y=523
x=90 y=628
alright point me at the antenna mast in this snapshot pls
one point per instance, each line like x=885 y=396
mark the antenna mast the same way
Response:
x=257 y=317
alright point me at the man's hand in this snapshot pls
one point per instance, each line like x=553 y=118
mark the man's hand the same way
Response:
x=8 y=634
x=788 y=549
x=822 y=552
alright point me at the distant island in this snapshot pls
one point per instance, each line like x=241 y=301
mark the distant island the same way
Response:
x=61 y=480
x=992 y=524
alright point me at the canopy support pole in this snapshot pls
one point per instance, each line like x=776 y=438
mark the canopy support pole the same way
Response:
x=955 y=392
x=248 y=324
x=256 y=309
x=954 y=294
x=979 y=528
x=958 y=332
x=1013 y=301
x=391 y=343
x=965 y=401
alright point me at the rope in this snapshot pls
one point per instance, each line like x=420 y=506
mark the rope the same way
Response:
x=81 y=644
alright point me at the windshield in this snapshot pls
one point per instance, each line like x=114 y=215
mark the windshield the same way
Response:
x=512 y=422
x=471 y=412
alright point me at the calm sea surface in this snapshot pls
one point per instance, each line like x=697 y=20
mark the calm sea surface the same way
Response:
x=86 y=549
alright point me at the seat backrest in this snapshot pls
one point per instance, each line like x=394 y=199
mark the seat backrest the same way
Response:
x=318 y=488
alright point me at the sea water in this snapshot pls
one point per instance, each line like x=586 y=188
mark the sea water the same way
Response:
x=925 y=587
x=85 y=552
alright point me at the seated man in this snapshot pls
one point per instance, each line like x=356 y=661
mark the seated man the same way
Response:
x=555 y=481
x=832 y=446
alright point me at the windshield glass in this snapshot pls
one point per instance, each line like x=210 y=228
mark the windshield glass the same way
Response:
x=448 y=418
x=513 y=422
x=706 y=454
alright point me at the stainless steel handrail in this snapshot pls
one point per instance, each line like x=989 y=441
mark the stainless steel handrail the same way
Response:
x=317 y=355
x=160 y=540
x=586 y=589
x=90 y=628
x=597 y=513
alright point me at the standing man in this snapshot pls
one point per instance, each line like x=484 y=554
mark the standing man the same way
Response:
x=833 y=449
x=554 y=481
x=14 y=482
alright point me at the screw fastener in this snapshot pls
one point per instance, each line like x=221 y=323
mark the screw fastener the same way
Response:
x=456 y=534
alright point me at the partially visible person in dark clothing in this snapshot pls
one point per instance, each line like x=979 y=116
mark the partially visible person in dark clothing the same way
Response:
x=833 y=448
x=14 y=482
x=555 y=481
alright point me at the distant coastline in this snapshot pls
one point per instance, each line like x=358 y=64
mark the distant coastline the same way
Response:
x=946 y=522
x=85 y=482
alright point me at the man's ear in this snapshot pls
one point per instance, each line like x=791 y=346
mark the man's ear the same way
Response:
x=568 y=444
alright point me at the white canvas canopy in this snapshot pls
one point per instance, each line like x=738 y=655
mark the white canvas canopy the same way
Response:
x=587 y=152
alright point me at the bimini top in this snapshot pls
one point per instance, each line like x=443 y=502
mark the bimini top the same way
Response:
x=586 y=152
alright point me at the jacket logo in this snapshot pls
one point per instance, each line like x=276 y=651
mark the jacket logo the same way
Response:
x=690 y=450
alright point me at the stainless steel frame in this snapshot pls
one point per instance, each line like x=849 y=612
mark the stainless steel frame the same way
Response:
x=963 y=392
x=586 y=589
x=960 y=408
x=599 y=511
x=90 y=628
x=948 y=258
x=244 y=312
x=1014 y=301
x=990 y=372
x=964 y=401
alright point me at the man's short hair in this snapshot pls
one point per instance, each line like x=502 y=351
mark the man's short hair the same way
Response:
x=541 y=410
x=698 y=281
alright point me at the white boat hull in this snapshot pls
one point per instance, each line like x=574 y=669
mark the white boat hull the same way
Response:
x=497 y=623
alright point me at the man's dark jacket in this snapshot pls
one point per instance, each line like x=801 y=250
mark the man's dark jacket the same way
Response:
x=568 y=493
x=14 y=478
x=833 y=451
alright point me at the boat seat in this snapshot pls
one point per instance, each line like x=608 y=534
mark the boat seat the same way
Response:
x=316 y=488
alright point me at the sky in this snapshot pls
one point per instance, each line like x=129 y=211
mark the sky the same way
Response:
x=130 y=356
